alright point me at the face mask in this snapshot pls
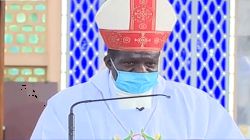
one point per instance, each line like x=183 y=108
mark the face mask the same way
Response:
x=135 y=82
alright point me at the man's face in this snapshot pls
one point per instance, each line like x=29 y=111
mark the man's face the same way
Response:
x=132 y=61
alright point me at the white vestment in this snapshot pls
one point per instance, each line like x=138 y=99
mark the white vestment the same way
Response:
x=189 y=113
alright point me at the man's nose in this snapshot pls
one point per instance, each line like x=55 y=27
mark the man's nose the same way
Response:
x=140 y=68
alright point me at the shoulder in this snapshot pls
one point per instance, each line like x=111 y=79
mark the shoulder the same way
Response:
x=72 y=92
x=83 y=91
x=70 y=95
x=189 y=96
x=182 y=89
x=194 y=101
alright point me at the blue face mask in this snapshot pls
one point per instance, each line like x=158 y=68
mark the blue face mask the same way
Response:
x=135 y=82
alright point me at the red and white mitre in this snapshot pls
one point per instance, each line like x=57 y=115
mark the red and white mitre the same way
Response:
x=136 y=25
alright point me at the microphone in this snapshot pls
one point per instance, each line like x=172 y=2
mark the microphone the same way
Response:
x=71 y=116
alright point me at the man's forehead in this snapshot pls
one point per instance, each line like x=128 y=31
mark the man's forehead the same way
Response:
x=137 y=54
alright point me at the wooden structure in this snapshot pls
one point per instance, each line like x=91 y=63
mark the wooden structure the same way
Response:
x=13 y=101
x=28 y=101
x=1 y=64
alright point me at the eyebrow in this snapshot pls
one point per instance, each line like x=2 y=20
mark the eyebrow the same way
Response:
x=154 y=59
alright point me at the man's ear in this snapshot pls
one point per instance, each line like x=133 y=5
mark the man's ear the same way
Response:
x=107 y=61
